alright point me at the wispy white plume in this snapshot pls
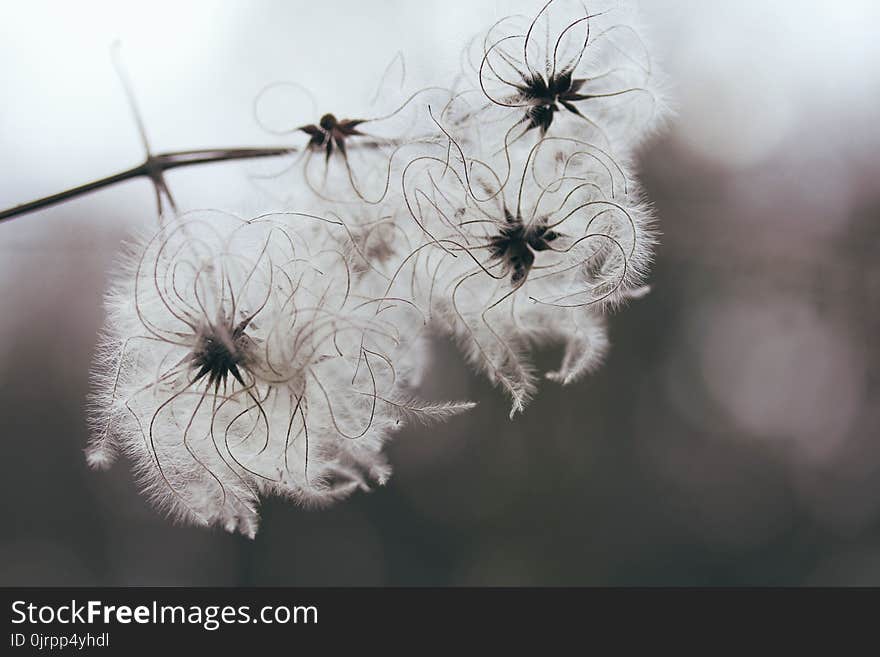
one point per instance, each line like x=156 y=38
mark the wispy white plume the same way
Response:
x=276 y=355
x=238 y=359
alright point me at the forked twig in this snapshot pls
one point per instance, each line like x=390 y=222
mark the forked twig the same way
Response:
x=153 y=167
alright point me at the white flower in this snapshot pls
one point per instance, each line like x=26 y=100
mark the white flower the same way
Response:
x=566 y=71
x=238 y=359
x=276 y=355
x=350 y=154
x=506 y=261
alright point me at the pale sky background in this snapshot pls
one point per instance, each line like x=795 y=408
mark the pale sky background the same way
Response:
x=745 y=74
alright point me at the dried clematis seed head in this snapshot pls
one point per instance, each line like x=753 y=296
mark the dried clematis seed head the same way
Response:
x=239 y=360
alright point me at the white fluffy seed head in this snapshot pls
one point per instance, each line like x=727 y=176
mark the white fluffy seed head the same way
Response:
x=238 y=360
x=565 y=70
x=276 y=355
x=525 y=247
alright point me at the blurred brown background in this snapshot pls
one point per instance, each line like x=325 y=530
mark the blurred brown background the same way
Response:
x=731 y=438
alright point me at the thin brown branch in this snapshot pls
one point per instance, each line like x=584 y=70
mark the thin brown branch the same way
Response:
x=153 y=168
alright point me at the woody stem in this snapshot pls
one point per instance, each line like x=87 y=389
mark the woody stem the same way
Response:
x=153 y=168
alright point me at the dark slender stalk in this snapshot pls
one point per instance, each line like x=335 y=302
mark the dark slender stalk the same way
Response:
x=153 y=168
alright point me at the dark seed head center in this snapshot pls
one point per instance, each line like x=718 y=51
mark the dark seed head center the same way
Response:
x=221 y=350
x=515 y=245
